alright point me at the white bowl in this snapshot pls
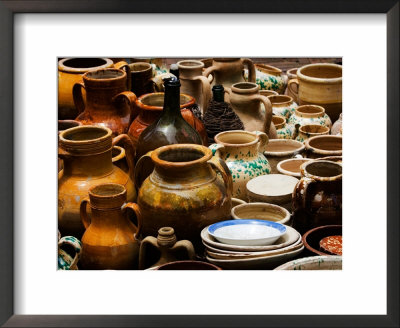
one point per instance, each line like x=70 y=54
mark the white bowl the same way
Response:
x=314 y=263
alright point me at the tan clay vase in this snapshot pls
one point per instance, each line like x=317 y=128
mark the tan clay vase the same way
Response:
x=70 y=71
x=246 y=102
x=267 y=93
x=311 y=130
x=194 y=83
x=141 y=78
x=280 y=149
x=169 y=249
x=108 y=103
x=322 y=146
x=317 y=198
x=319 y=84
x=87 y=155
x=183 y=191
x=110 y=240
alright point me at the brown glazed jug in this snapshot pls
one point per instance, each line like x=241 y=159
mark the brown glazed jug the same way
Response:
x=87 y=155
x=110 y=240
x=169 y=249
x=183 y=190
x=108 y=103
x=317 y=197
x=141 y=78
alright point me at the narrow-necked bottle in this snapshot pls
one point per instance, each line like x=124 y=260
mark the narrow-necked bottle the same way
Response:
x=170 y=128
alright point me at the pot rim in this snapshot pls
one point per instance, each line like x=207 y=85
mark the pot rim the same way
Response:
x=122 y=191
x=301 y=129
x=291 y=173
x=288 y=100
x=323 y=151
x=307 y=245
x=306 y=174
x=254 y=89
x=281 y=124
x=268 y=68
x=307 y=78
x=62 y=67
x=206 y=264
x=119 y=77
x=181 y=64
x=261 y=205
x=255 y=141
x=309 y=260
x=141 y=105
x=148 y=67
x=319 y=113
x=299 y=149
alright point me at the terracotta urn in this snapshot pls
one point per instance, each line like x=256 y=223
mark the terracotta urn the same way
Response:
x=108 y=103
x=150 y=107
x=337 y=126
x=282 y=105
x=183 y=190
x=70 y=71
x=242 y=152
x=317 y=198
x=271 y=78
x=167 y=248
x=311 y=130
x=309 y=114
x=66 y=261
x=141 y=78
x=279 y=149
x=194 y=83
x=283 y=130
x=322 y=146
x=319 y=84
x=87 y=155
x=246 y=102
x=110 y=240
x=292 y=74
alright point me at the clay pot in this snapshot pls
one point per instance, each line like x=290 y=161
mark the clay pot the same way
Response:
x=65 y=260
x=141 y=78
x=246 y=102
x=188 y=265
x=194 y=83
x=242 y=152
x=280 y=149
x=319 y=84
x=150 y=107
x=292 y=74
x=167 y=247
x=261 y=211
x=311 y=130
x=271 y=78
x=283 y=130
x=317 y=198
x=64 y=125
x=322 y=146
x=337 y=126
x=107 y=102
x=110 y=240
x=182 y=191
x=70 y=71
x=309 y=114
x=311 y=239
x=87 y=155
x=282 y=105
x=291 y=166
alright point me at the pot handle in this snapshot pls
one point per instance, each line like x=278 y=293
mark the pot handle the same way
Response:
x=206 y=90
x=299 y=195
x=143 y=247
x=123 y=65
x=263 y=140
x=217 y=149
x=76 y=245
x=86 y=220
x=292 y=88
x=140 y=165
x=135 y=208
x=251 y=68
x=209 y=71
x=127 y=143
x=268 y=113
x=77 y=96
x=187 y=246
x=131 y=98
x=220 y=166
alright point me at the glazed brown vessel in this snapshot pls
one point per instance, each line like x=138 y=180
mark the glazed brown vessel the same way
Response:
x=87 y=155
x=322 y=146
x=110 y=240
x=108 y=103
x=183 y=190
x=141 y=78
x=317 y=198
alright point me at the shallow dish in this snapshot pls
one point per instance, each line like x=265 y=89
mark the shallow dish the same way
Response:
x=261 y=211
x=313 y=263
x=312 y=238
x=247 y=232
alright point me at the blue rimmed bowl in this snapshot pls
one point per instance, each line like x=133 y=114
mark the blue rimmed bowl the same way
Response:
x=247 y=232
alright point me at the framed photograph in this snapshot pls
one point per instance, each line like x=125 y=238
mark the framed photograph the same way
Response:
x=35 y=35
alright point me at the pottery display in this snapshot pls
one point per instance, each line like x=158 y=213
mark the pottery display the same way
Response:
x=291 y=166
x=319 y=84
x=270 y=78
x=283 y=105
x=65 y=260
x=141 y=78
x=194 y=83
x=311 y=130
x=242 y=151
x=87 y=155
x=273 y=188
x=291 y=74
x=312 y=239
x=169 y=249
x=322 y=146
x=317 y=198
x=337 y=126
x=280 y=149
x=183 y=190
x=309 y=114
x=261 y=211
x=313 y=263
x=188 y=265
x=108 y=104
x=283 y=130
x=110 y=240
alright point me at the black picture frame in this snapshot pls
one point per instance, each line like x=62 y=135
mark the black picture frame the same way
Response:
x=8 y=200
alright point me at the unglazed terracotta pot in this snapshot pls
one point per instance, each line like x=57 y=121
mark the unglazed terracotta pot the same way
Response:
x=194 y=83
x=108 y=103
x=183 y=191
x=242 y=152
x=70 y=71
x=141 y=78
x=309 y=114
x=319 y=84
x=65 y=260
x=110 y=240
x=246 y=102
x=150 y=107
x=322 y=146
x=169 y=249
x=283 y=130
x=292 y=74
x=337 y=126
x=282 y=105
x=311 y=130
x=317 y=198
x=87 y=155
x=291 y=166
x=271 y=78
x=280 y=149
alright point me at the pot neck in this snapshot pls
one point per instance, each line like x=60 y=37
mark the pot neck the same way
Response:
x=108 y=218
x=94 y=165
x=98 y=98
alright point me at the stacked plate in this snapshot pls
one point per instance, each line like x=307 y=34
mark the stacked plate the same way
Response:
x=240 y=252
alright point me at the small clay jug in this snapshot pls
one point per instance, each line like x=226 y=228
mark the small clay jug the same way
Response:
x=141 y=78
x=87 y=155
x=317 y=198
x=169 y=249
x=311 y=130
x=70 y=71
x=183 y=190
x=65 y=260
x=246 y=102
x=194 y=83
x=283 y=105
x=242 y=152
x=110 y=240
x=324 y=145
x=108 y=103
x=283 y=130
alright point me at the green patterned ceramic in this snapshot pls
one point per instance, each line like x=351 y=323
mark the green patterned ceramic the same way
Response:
x=283 y=130
x=66 y=261
x=270 y=78
x=243 y=153
x=311 y=130
x=283 y=105
x=310 y=114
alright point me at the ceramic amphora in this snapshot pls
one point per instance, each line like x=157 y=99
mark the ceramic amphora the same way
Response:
x=311 y=130
x=282 y=105
x=183 y=190
x=87 y=155
x=271 y=78
x=283 y=130
x=65 y=260
x=110 y=240
x=309 y=114
x=242 y=152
